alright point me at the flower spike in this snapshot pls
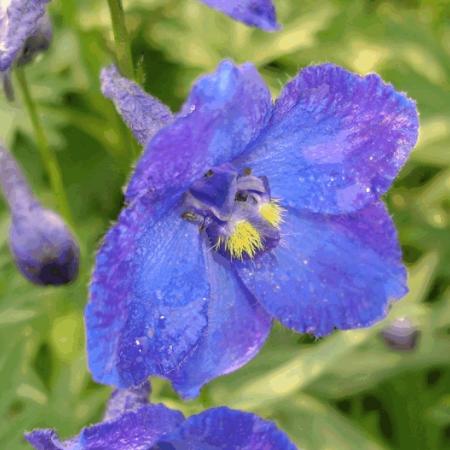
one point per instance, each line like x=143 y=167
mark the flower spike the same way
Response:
x=44 y=250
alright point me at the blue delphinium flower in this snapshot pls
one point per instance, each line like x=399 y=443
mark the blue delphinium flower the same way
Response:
x=44 y=249
x=240 y=211
x=256 y=13
x=25 y=30
x=132 y=423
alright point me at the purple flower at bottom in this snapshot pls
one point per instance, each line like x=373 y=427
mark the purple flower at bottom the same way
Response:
x=256 y=13
x=132 y=423
x=240 y=211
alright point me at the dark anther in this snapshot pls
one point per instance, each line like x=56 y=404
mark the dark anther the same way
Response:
x=210 y=173
x=189 y=216
x=241 y=197
x=247 y=171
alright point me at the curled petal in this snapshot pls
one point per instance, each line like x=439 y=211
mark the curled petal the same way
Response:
x=329 y=271
x=224 y=112
x=336 y=140
x=19 y=20
x=223 y=429
x=256 y=13
x=143 y=113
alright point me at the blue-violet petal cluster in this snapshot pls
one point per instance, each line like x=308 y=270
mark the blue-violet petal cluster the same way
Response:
x=241 y=211
x=132 y=423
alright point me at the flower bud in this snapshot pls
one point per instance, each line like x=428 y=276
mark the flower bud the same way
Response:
x=44 y=249
x=401 y=335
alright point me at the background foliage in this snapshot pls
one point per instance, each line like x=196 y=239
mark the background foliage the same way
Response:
x=347 y=391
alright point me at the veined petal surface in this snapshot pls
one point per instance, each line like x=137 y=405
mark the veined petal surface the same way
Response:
x=224 y=112
x=335 y=141
x=329 y=271
x=225 y=429
x=133 y=430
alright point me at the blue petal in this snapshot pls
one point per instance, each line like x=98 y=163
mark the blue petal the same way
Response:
x=134 y=430
x=224 y=112
x=46 y=440
x=256 y=13
x=18 y=21
x=237 y=329
x=329 y=271
x=335 y=141
x=226 y=429
x=143 y=317
x=156 y=301
x=144 y=114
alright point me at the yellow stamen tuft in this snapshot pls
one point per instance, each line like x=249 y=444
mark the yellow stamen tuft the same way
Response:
x=272 y=212
x=245 y=239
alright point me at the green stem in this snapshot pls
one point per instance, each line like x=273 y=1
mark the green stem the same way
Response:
x=48 y=157
x=123 y=49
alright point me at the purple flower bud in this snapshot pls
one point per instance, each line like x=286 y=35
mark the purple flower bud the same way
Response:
x=401 y=335
x=44 y=249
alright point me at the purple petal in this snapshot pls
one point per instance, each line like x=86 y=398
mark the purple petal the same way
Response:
x=329 y=271
x=157 y=300
x=237 y=329
x=46 y=440
x=256 y=13
x=224 y=112
x=134 y=430
x=145 y=115
x=130 y=399
x=19 y=19
x=336 y=140
x=143 y=317
x=225 y=429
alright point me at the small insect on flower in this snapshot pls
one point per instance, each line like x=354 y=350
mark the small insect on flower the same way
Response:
x=44 y=249
x=25 y=31
x=132 y=423
x=241 y=210
x=256 y=13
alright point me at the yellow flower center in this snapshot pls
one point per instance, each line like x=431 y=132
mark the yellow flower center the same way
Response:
x=272 y=212
x=245 y=239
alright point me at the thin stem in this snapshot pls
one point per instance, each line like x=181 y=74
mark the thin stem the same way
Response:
x=48 y=157
x=123 y=49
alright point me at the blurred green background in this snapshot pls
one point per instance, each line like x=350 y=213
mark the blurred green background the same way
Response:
x=347 y=391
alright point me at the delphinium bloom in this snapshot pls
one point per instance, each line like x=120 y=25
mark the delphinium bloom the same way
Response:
x=256 y=13
x=25 y=30
x=241 y=210
x=44 y=249
x=132 y=423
